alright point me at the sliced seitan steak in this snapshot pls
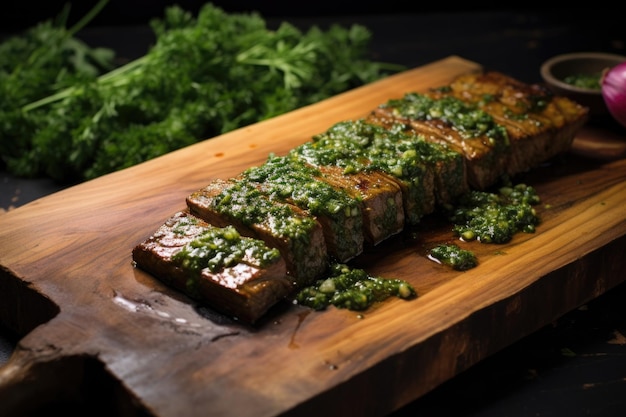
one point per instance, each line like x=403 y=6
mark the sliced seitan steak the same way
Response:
x=359 y=181
x=448 y=165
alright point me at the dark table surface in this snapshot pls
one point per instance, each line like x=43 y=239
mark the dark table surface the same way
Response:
x=575 y=366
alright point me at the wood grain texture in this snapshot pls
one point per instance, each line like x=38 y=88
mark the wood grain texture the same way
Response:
x=66 y=279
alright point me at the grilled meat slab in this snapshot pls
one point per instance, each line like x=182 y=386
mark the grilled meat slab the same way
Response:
x=292 y=181
x=539 y=124
x=295 y=233
x=245 y=287
x=380 y=198
x=461 y=130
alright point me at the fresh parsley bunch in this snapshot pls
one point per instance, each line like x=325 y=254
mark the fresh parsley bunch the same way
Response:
x=204 y=76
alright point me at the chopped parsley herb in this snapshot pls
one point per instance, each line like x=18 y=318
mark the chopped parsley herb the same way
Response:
x=219 y=248
x=495 y=217
x=468 y=119
x=590 y=81
x=454 y=257
x=351 y=289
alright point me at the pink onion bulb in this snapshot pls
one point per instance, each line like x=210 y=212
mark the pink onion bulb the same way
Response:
x=614 y=92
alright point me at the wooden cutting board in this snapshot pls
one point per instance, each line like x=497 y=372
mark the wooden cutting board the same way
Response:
x=67 y=283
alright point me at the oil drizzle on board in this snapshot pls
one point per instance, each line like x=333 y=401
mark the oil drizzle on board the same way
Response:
x=301 y=316
x=181 y=325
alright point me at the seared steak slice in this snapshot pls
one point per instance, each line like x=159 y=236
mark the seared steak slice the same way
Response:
x=448 y=165
x=359 y=146
x=346 y=168
x=295 y=233
x=236 y=275
x=539 y=124
x=295 y=182
x=461 y=126
x=380 y=197
x=449 y=168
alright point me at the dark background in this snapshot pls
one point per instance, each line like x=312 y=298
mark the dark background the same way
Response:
x=19 y=14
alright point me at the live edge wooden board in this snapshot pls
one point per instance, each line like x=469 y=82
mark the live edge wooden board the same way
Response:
x=68 y=285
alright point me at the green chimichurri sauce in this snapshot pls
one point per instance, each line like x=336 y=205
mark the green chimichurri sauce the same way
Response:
x=219 y=248
x=246 y=203
x=495 y=217
x=590 y=81
x=488 y=218
x=468 y=119
x=454 y=257
x=287 y=179
x=358 y=146
x=352 y=289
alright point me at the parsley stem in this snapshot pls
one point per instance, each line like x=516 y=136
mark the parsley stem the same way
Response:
x=87 y=18
x=116 y=77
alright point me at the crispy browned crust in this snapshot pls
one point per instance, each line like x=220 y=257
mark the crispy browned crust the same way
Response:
x=244 y=291
x=536 y=133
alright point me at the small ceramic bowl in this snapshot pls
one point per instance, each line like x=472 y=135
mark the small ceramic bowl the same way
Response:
x=556 y=70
